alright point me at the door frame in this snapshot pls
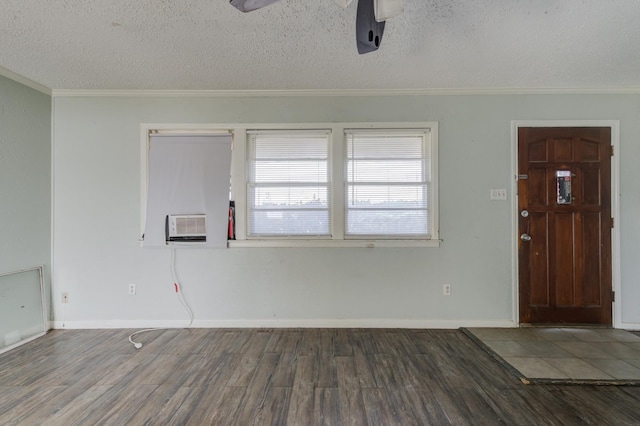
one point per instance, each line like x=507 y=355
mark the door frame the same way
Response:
x=614 y=125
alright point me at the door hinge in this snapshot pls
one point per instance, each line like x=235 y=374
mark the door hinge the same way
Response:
x=612 y=223
x=611 y=150
x=613 y=296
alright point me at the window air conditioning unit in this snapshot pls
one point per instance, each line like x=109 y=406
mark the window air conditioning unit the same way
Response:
x=186 y=228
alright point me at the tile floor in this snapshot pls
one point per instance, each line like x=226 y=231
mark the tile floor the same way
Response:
x=566 y=354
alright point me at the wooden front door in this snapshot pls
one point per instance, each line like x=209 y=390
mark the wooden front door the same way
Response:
x=564 y=224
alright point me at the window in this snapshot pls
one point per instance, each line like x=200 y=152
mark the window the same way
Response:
x=347 y=185
x=288 y=185
x=185 y=174
x=387 y=184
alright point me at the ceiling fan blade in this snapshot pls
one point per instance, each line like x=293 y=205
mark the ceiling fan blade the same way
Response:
x=343 y=3
x=387 y=9
x=249 y=5
x=368 y=30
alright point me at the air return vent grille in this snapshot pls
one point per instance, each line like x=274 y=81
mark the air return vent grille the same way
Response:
x=191 y=227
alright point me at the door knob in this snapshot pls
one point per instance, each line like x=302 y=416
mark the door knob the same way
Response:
x=525 y=237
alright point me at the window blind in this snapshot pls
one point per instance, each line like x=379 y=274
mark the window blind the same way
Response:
x=388 y=184
x=288 y=184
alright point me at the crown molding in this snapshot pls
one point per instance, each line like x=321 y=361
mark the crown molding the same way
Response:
x=64 y=93
x=25 y=81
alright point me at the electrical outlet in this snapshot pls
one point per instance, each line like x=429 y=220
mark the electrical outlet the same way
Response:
x=446 y=289
x=132 y=289
x=64 y=297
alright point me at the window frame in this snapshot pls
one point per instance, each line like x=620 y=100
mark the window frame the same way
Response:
x=425 y=134
x=337 y=182
x=337 y=186
x=146 y=129
x=249 y=179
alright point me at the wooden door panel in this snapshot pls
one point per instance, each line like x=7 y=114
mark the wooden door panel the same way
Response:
x=590 y=188
x=537 y=151
x=539 y=266
x=562 y=150
x=590 y=151
x=565 y=267
x=591 y=254
x=563 y=271
x=538 y=190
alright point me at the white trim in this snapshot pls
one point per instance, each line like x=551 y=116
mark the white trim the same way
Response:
x=337 y=183
x=52 y=235
x=615 y=205
x=435 y=185
x=349 y=92
x=33 y=268
x=290 y=323
x=168 y=128
x=25 y=81
x=331 y=243
x=238 y=180
x=631 y=326
x=22 y=342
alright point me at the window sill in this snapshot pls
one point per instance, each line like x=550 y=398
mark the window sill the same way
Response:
x=294 y=243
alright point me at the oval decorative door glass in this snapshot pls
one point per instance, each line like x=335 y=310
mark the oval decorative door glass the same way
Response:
x=563 y=183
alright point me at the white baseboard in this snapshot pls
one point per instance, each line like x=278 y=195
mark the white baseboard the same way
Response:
x=632 y=326
x=21 y=342
x=292 y=323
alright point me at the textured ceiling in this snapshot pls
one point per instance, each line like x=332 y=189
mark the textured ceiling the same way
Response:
x=310 y=44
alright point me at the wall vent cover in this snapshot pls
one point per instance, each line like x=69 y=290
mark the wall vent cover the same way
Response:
x=186 y=227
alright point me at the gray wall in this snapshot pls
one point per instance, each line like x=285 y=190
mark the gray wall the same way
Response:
x=97 y=213
x=25 y=178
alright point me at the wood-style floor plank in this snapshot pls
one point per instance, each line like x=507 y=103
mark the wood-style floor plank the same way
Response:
x=255 y=399
x=241 y=377
x=378 y=408
x=351 y=404
x=74 y=411
x=302 y=396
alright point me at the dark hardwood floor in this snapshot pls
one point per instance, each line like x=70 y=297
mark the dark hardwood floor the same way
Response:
x=285 y=376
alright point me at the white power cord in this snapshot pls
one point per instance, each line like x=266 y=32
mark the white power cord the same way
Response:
x=181 y=298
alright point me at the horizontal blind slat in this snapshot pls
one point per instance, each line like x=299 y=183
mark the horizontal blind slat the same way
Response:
x=288 y=189
x=387 y=188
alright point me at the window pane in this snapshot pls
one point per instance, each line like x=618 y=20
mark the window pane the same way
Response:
x=299 y=197
x=384 y=146
x=386 y=171
x=290 y=171
x=300 y=146
x=289 y=223
x=390 y=197
x=387 y=191
x=288 y=190
x=387 y=222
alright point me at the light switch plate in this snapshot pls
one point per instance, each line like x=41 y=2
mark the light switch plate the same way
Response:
x=498 y=194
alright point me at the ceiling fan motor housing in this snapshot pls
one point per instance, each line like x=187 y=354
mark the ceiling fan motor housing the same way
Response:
x=368 y=30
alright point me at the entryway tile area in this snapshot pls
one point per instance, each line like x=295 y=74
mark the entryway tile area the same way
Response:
x=564 y=355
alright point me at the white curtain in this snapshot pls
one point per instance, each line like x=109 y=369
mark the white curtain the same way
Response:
x=188 y=174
